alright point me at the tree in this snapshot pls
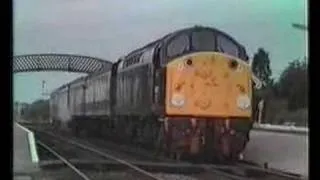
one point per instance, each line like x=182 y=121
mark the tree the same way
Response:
x=38 y=109
x=261 y=66
x=293 y=85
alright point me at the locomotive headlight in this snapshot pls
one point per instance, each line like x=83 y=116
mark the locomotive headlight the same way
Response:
x=189 y=62
x=233 y=64
x=243 y=102
x=178 y=100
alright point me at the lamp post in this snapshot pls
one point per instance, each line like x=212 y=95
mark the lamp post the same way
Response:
x=304 y=28
x=300 y=26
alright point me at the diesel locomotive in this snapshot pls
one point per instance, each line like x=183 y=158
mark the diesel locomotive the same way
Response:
x=187 y=93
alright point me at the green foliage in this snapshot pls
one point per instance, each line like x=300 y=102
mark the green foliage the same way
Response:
x=261 y=66
x=293 y=85
x=37 y=110
x=285 y=99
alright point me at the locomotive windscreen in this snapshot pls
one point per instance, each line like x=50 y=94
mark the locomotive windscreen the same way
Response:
x=226 y=46
x=202 y=40
x=178 y=46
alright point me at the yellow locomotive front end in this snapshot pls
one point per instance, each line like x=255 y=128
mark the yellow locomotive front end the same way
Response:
x=208 y=92
x=208 y=84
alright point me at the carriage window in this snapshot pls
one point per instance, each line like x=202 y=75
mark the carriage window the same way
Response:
x=227 y=46
x=177 y=46
x=203 y=41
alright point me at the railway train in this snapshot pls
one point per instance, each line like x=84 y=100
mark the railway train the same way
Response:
x=185 y=94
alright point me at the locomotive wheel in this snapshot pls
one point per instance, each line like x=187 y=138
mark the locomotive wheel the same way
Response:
x=128 y=130
x=150 y=137
x=177 y=156
x=240 y=141
x=156 y=128
x=76 y=130
x=160 y=142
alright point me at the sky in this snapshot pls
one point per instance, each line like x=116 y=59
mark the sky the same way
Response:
x=109 y=29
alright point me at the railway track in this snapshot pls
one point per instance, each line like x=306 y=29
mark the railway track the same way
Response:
x=235 y=171
x=94 y=155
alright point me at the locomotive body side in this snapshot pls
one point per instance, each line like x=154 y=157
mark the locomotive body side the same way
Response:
x=97 y=99
x=53 y=108
x=134 y=85
x=61 y=112
x=77 y=93
x=133 y=109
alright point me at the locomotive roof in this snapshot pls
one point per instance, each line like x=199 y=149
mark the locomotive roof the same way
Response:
x=153 y=44
x=59 y=89
x=82 y=78
x=67 y=84
x=185 y=30
x=98 y=73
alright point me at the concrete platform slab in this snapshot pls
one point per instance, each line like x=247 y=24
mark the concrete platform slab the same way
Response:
x=25 y=159
x=284 y=151
x=22 y=178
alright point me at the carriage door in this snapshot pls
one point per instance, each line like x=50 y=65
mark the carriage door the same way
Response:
x=158 y=85
x=83 y=103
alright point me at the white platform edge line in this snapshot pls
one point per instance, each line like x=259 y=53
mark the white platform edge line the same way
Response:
x=34 y=153
x=32 y=144
x=282 y=131
x=22 y=127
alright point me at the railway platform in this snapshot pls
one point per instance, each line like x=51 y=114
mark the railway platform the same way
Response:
x=283 y=151
x=25 y=157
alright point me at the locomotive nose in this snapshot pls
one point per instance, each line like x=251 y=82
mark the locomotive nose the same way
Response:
x=212 y=84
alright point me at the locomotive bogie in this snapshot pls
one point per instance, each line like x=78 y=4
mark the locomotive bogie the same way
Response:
x=208 y=137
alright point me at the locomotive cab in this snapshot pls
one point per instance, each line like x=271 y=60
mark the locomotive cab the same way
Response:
x=206 y=92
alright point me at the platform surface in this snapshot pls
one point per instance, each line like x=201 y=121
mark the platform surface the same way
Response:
x=23 y=162
x=288 y=152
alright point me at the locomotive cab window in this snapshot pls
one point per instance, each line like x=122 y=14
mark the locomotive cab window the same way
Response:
x=147 y=56
x=178 y=46
x=225 y=45
x=203 y=41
